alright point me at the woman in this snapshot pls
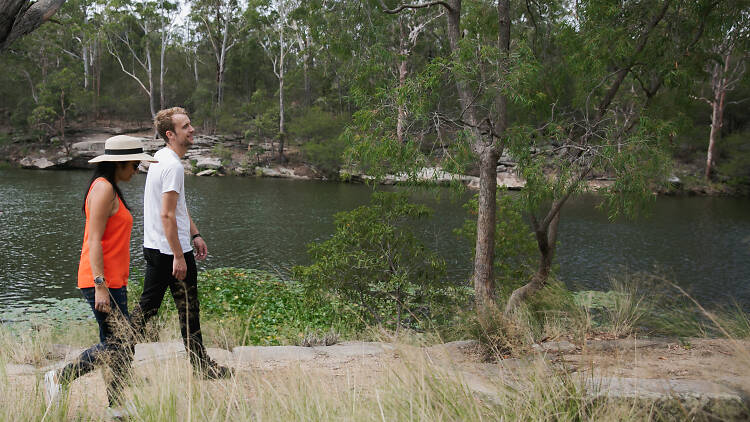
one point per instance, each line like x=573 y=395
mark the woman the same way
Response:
x=104 y=268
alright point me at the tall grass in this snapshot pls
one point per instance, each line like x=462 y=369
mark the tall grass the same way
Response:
x=412 y=387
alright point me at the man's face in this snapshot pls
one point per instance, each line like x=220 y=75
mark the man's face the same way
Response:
x=183 y=131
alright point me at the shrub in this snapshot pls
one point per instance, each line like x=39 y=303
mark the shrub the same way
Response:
x=374 y=260
x=326 y=155
x=734 y=166
x=316 y=124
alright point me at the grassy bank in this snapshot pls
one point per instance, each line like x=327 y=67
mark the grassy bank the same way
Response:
x=251 y=307
x=412 y=387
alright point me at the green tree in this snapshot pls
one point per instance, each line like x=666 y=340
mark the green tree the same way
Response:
x=374 y=260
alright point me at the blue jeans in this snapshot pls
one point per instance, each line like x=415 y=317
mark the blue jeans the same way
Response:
x=115 y=348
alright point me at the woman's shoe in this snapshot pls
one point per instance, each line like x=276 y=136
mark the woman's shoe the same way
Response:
x=52 y=387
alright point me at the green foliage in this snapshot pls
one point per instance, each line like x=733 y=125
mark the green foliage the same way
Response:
x=222 y=152
x=515 y=247
x=319 y=131
x=325 y=155
x=263 y=116
x=375 y=261
x=42 y=120
x=316 y=124
x=734 y=165
x=265 y=310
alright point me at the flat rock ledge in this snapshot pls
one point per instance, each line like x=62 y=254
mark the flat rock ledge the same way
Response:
x=676 y=399
x=681 y=399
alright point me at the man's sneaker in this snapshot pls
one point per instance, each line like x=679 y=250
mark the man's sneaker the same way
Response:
x=213 y=371
x=122 y=413
x=52 y=387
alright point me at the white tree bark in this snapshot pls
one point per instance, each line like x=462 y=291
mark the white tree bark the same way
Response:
x=724 y=78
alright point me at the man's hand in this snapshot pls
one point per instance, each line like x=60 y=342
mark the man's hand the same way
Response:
x=179 y=268
x=101 y=298
x=201 y=250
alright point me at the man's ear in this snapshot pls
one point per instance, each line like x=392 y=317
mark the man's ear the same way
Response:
x=168 y=134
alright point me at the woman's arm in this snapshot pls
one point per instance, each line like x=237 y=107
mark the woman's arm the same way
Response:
x=101 y=201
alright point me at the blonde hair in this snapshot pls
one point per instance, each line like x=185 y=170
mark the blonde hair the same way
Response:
x=163 y=120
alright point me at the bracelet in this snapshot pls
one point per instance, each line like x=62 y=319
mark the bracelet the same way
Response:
x=195 y=235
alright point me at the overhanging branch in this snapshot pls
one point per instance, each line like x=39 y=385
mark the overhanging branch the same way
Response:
x=414 y=6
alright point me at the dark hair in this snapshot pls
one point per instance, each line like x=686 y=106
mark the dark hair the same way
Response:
x=105 y=169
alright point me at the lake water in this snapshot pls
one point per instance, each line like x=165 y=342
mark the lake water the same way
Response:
x=702 y=244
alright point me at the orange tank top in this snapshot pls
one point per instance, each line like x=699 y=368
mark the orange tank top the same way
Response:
x=115 y=248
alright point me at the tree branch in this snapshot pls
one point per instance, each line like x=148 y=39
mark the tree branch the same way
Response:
x=414 y=6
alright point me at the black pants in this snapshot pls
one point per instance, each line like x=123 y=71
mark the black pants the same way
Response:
x=185 y=294
x=115 y=348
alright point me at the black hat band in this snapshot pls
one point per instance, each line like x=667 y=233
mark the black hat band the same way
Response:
x=123 y=151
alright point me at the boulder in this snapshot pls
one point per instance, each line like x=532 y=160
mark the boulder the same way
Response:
x=39 y=163
x=44 y=162
x=208 y=163
x=208 y=172
x=682 y=399
x=352 y=349
x=273 y=353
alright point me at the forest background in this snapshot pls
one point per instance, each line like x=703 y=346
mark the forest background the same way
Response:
x=629 y=91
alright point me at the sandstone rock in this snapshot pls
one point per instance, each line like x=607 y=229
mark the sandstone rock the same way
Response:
x=351 y=349
x=510 y=180
x=12 y=369
x=555 y=347
x=273 y=353
x=209 y=172
x=268 y=172
x=39 y=163
x=625 y=344
x=145 y=352
x=678 y=398
x=208 y=163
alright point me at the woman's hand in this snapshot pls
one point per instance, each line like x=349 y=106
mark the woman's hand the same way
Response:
x=101 y=299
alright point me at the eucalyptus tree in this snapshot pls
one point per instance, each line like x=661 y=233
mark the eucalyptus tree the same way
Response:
x=478 y=75
x=222 y=23
x=726 y=44
x=135 y=29
x=278 y=43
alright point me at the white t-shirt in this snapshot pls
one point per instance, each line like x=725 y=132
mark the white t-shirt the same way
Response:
x=165 y=176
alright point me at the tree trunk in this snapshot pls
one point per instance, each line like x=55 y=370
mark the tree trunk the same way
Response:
x=151 y=93
x=282 y=52
x=484 y=258
x=282 y=132
x=483 y=277
x=717 y=117
x=403 y=70
x=86 y=63
x=162 y=70
x=719 y=82
x=546 y=239
x=306 y=70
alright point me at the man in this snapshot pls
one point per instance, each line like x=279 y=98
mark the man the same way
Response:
x=167 y=233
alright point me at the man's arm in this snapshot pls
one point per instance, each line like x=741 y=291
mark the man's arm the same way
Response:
x=169 y=222
x=201 y=249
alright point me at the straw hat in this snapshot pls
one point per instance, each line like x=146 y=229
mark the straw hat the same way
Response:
x=123 y=148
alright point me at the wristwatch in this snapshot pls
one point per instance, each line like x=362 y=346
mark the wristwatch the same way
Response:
x=99 y=280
